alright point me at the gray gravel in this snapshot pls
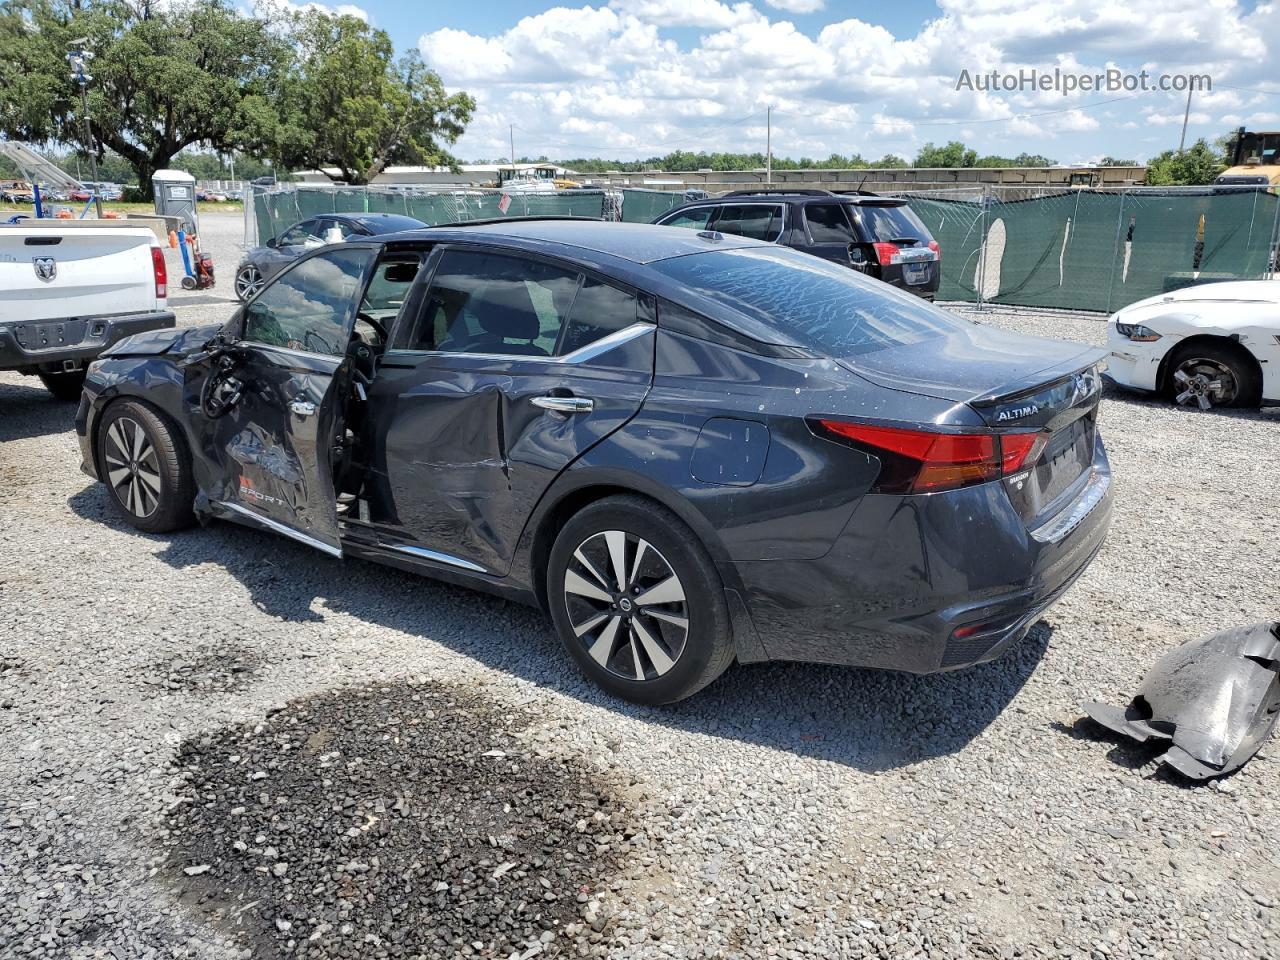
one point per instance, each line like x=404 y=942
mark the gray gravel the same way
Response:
x=787 y=811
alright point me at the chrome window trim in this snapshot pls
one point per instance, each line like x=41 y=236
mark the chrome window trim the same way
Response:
x=581 y=355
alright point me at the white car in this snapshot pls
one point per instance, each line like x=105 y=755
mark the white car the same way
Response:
x=1211 y=345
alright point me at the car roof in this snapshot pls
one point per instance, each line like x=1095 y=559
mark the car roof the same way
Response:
x=634 y=242
x=804 y=196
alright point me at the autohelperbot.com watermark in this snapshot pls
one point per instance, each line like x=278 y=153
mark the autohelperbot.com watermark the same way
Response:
x=1066 y=82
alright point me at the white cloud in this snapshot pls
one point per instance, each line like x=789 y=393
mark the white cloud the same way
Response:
x=614 y=80
x=687 y=13
x=797 y=6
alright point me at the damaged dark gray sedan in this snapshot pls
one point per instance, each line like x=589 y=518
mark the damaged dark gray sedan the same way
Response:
x=686 y=447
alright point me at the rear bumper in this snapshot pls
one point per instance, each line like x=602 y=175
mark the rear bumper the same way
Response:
x=908 y=572
x=49 y=346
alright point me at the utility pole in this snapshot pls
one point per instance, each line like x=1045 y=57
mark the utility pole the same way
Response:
x=511 y=132
x=768 y=144
x=1186 y=115
x=77 y=57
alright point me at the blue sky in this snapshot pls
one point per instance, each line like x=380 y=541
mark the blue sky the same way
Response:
x=635 y=78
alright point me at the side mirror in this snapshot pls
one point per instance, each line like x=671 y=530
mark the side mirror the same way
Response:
x=272 y=241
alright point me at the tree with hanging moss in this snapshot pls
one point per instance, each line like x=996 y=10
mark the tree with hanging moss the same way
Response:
x=163 y=78
x=349 y=107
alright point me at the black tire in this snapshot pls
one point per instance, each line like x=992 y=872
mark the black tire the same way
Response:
x=703 y=652
x=64 y=386
x=1235 y=359
x=165 y=464
x=248 y=281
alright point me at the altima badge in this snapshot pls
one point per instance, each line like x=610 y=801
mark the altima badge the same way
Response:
x=46 y=268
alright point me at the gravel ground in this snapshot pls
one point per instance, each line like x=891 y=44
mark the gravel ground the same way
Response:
x=227 y=699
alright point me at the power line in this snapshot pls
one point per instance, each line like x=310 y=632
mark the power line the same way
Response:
x=1269 y=93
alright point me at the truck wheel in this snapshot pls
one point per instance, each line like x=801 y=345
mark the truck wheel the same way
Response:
x=64 y=386
x=144 y=461
x=637 y=601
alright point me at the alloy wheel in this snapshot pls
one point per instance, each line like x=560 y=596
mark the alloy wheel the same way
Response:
x=248 y=282
x=626 y=605
x=133 y=469
x=1205 y=383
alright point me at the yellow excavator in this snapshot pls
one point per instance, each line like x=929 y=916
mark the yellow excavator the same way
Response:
x=1255 y=160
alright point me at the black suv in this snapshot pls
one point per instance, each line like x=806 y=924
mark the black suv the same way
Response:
x=879 y=236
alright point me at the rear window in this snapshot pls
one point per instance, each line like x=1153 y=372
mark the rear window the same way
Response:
x=889 y=224
x=828 y=223
x=815 y=303
x=391 y=224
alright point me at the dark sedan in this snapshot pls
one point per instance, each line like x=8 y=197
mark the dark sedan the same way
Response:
x=262 y=263
x=687 y=448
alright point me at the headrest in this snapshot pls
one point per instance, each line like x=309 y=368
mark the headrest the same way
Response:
x=505 y=311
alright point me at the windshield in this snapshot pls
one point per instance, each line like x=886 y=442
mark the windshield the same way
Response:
x=1264 y=146
x=889 y=224
x=813 y=302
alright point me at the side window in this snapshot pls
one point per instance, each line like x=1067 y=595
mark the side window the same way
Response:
x=695 y=219
x=757 y=221
x=598 y=311
x=390 y=284
x=299 y=233
x=493 y=303
x=311 y=306
x=828 y=223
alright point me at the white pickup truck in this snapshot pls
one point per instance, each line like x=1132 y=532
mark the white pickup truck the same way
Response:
x=70 y=290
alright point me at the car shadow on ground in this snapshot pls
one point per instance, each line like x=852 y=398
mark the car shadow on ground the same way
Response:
x=1132 y=398
x=870 y=720
x=32 y=411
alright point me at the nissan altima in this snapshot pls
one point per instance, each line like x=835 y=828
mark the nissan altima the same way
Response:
x=687 y=448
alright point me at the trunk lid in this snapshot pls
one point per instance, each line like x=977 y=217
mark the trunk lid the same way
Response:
x=1015 y=383
x=58 y=270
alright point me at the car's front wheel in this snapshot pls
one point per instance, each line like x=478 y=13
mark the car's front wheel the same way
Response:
x=638 y=602
x=248 y=282
x=143 y=459
x=1210 y=375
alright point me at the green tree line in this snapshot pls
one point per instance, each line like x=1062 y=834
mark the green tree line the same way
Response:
x=194 y=78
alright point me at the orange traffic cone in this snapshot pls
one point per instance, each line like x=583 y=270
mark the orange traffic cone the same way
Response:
x=173 y=240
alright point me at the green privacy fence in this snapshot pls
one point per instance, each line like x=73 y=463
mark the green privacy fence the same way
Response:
x=273 y=211
x=1094 y=250
x=1080 y=249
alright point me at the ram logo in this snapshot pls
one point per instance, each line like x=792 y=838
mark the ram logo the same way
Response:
x=46 y=268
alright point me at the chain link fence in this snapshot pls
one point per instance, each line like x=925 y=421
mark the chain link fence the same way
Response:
x=269 y=211
x=1096 y=250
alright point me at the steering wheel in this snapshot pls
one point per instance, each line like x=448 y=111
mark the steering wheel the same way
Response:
x=377 y=325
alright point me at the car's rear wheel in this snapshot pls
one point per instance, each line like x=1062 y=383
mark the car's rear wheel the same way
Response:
x=1208 y=375
x=143 y=459
x=248 y=282
x=638 y=602
x=64 y=386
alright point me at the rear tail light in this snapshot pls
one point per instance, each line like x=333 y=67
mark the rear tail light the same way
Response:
x=925 y=461
x=892 y=253
x=885 y=252
x=161 y=274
